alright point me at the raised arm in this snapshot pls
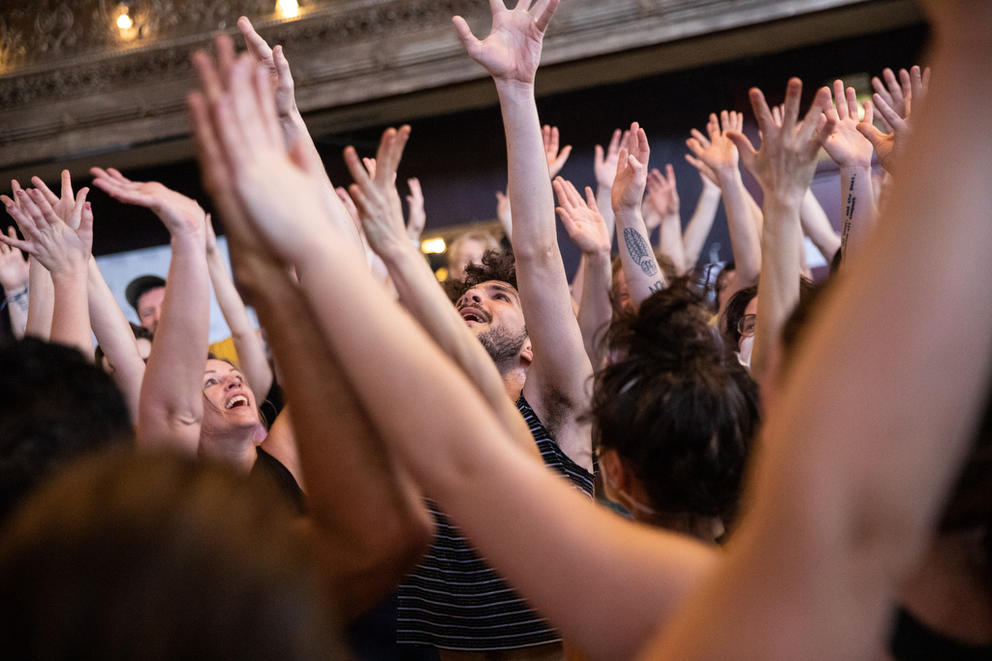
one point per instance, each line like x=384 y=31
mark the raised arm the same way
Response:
x=664 y=195
x=587 y=229
x=817 y=226
x=640 y=268
x=171 y=406
x=605 y=169
x=64 y=250
x=894 y=109
x=415 y=282
x=14 y=273
x=720 y=155
x=603 y=570
x=852 y=152
x=247 y=343
x=784 y=167
x=699 y=226
x=559 y=374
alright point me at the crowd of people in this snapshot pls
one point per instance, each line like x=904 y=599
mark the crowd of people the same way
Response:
x=642 y=462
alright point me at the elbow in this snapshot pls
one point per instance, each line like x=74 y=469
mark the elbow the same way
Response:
x=540 y=252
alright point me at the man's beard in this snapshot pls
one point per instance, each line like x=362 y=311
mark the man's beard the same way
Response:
x=502 y=346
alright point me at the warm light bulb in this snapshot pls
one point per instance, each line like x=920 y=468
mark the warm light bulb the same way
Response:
x=124 y=21
x=433 y=246
x=288 y=8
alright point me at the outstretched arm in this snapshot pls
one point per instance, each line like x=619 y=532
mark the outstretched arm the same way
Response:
x=817 y=226
x=699 y=226
x=640 y=267
x=171 y=406
x=559 y=374
x=604 y=568
x=247 y=343
x=855 y=483
x=851 y=151
x=664 y=195
x=64 y=249
x=718 y=153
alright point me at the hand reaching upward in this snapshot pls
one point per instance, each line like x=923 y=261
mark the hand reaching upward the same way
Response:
x=632 y=171
x=581 y=218
x=178 y=213
x=556 y=157
x=512 y=51
x=845 y=144
x=605 y=164
x=716 y=151
x=59 y=247
x=662 y=191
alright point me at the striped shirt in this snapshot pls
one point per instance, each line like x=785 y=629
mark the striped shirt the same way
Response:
x=453 y=600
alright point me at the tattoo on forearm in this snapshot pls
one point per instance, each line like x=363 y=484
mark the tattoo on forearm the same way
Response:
x=655 y=286
x=640 y=251
x=20 y=299
x=852 y=201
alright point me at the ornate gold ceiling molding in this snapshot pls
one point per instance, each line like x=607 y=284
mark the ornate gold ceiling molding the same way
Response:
x=71 y=85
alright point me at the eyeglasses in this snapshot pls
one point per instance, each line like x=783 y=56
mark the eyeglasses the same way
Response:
x=745 y=326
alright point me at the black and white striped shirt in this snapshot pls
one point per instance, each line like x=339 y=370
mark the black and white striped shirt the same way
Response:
x=453 y=600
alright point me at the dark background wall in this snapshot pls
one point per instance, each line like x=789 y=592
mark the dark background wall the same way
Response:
x=460 y=158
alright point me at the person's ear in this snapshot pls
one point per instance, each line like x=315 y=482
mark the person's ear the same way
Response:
x=527 y=353
x=615 y=473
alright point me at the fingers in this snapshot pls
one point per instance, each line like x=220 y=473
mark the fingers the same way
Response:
x=389 y=155
x=86 y=219
x=283 y=72
x=700 y=139
x=66 y=186
x=597 y=155
x=590 y=199
x=891 y=116
x=852 y=103
x=793 y=94
x=614 y=147
x=670 y=175
x=464 y=32
x=10 y=239
x=356 y=168
x=896 y=99
x=257 y=46
x=839 y=103
x=875 y=137
x=869 y=115
x=821 y=104
x=49 y=195
x=713 y=127
x=414 y=185
x=77 y=209
x=918 y=86
x=370 y=165
x=905 y=86
x=761 y=110
x=744 y=147
x=266 y=106
x=545 y=9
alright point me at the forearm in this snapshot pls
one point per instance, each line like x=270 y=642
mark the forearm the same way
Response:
x=171 y=405
x=247 y=343
x=115 y=337
x=604 y=202
x=670 y=242
x=426 y=302
x=640 y=267
x=370 y=517
x=744 y=238
x=595 y=307
x=694 y=236
x=780 y=270
x=858 y=209
x=17 y=304
x=70 y=312
x=817 y=226
x=39 y=320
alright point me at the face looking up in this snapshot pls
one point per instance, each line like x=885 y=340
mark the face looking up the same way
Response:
x=230 y=403
x=150 y=307
x=492 y=311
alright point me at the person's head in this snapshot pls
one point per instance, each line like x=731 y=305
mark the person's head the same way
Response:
x=142 y=337
x=146 y=294
x=54 y=407
x=488 y=301
x=229 y=405
x=672 y=418
x=735 y=323
x=154 y=556
x=468 y=248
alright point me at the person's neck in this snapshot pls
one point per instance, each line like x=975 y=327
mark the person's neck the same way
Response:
x=236 y=449
x=513 y=380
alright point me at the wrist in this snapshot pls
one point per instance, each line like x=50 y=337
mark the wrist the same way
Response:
x=856 y=168
x=728 y=175
x=75 y=270
x=14 y=292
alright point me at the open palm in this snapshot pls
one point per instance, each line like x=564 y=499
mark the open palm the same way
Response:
x=512 y=51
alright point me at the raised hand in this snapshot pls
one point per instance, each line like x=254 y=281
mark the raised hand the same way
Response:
x=632 y=171
x=63 y=204
x=375 y=194
x=581 y=218
x=275 y=61
x=662 y=191
x=556 y=157
x=716 y=151
x=53 y=242
x=787 y=159
x=13 y=266
x=179 y=214
x=416 y=217
x=845 y=144
x=512 y=51
x=605 y=164
x=242 y=154
x=889 y=145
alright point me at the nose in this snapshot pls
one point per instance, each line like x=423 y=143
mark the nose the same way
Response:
x=472 y=295
x=232 y=381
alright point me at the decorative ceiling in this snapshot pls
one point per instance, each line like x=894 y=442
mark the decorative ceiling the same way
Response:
x=76 y=79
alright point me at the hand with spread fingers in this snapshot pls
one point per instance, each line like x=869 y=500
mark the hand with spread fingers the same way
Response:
x=375 y=194
x=896 y=118
x=179 y=214
x=581 y=218
x=53 y=242
x=512 y=51
x=662 y=191
x=275 y=61
x=605 y=163
x=845 y=144
x=556 y=157
x=716 y=151
x=787 y=159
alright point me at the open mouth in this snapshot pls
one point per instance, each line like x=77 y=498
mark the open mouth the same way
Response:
x=473 y=314
x=236 y=401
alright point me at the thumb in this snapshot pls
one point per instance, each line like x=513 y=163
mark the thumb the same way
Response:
x=874 y=136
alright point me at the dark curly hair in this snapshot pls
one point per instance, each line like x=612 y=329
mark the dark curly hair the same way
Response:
x=679 y=414
x=496 y=265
